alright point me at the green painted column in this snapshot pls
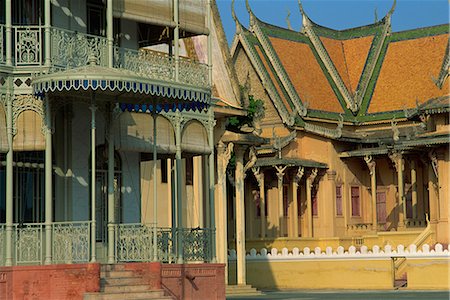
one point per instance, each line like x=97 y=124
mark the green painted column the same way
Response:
x=155 y=188
x=178 y=129
x=47 y=24
x=212 y=202
x=48 y=182
x=111 y=194
x=8 y=33
x=109 y=31
x=93 y=108
x=9 y=181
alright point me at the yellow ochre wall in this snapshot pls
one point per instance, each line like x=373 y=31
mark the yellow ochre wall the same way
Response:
x=427 y=274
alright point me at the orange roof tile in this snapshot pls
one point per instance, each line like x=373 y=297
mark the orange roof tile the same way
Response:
x=272 y=77
x=349 y=57
x=406 y=74
x=306 y=75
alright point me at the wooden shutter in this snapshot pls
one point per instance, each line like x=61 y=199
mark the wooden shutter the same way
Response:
x=356 y=212
x=339 y=200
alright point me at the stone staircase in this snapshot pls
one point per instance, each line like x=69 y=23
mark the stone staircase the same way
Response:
x=117 y=283
x=241 y=290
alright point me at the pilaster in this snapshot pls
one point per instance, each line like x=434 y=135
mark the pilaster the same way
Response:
x=280 y=175
x=240 y=215
x=371 y=164
x=259 y=175
x=309 y=186
x=397 y=159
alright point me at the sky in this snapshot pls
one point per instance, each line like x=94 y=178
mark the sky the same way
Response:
x=337 y=14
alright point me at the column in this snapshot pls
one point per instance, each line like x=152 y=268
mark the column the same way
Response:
x=109 y=31
x=111 y=194
x=280 y=174
x=176 y=38
x=155 y=187
x=433 y=189
x=262 y=201
x=240 y=215
x=296 y=183
x=179 y=239
x=371 y=164
x=414 y=188
x=223 y=157
x=48 y=182
x=47 y=20
x=9 y=181
x=211 y=196
x=93 y=108
x=397 y=159
x=209 y=24
x=309 y=186
x=8 y=33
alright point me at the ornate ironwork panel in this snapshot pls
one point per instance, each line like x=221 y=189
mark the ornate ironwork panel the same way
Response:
x=196 y=244
x=28 y=238
x=73 y=49
x=134 y=242
x=193 y=73
x=71 y=241
x=149 y=64
x=2 y=244
x=28 y=45
x=166 y=250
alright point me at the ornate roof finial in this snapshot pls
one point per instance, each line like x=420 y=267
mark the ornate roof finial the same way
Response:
x=305 y=19
x=391 y=11
x=236 y=21
x=252 y=16
x=288 y=21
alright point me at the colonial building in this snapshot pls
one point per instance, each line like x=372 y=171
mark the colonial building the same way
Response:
x=358 y=126
x=107 y=115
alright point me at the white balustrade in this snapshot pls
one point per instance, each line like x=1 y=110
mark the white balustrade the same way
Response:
x=376 y=252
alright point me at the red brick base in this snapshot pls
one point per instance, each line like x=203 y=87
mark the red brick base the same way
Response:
x=194 y=281
x=53 y=282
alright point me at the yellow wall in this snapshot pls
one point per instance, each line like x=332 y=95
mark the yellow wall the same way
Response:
x=428 y=273
x=315 y=274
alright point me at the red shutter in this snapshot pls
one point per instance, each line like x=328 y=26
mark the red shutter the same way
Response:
x=339 y=200
x=355 y=202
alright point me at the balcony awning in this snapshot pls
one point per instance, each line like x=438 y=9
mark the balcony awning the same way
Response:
x=124 y=85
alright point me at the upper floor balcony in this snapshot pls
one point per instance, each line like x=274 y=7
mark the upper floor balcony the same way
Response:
x=71 y=50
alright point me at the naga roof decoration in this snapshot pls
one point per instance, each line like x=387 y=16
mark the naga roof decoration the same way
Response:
x=324 y=74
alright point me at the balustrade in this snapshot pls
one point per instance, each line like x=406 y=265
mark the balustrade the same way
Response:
x=28 y=243
x=69 y=50
x=71 y=242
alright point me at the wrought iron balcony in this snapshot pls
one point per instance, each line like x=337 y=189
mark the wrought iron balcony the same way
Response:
x=70 y=50
x=133 y=243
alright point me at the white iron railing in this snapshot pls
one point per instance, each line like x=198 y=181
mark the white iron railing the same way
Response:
x=71 y=242
x=28 y=243
x=70 y=49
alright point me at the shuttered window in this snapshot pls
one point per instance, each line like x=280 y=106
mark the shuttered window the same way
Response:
x=314 y=201
x=356 y=210
x=339 y=200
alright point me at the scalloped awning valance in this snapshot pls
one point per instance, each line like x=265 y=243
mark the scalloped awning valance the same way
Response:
x=125 y=86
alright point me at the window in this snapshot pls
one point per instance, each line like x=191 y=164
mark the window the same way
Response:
x=27 y=12
x=189 y=171
x=315 y=211
x=285 y=200
x=96 y=14
x=164 y=170
x=2 y=11
x=339 y=200
x=355 y=202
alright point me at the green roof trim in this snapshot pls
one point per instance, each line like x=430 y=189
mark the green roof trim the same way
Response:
x=420 y=32
x=376 y=72
x=347 y=34
x=293 y=162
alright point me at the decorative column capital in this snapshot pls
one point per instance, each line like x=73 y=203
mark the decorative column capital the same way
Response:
x=397 y=158
x=432 y=155
x=258 y=175
x=252 y=159
x=298 y=176
x=371 y=164
x=224 y=153
x=280 y=172
x=313 y=175
x=331 y=174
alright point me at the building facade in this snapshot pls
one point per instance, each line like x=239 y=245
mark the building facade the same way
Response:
x=358 y=129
